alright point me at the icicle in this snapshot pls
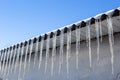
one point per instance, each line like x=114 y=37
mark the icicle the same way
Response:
x=13 y=61
x=61 y=50
x=25 y=60
x=111 y=27
x=111 y=39
x=3 y=66
x=36 y=52
x=2 y=56
x=89 y=42
x=3 y=61
x=29 y=58
x=9 y=61
x=53 y=53
x=0 y=59
x=6 y=64
x=100 y=29
x=68 y=50
x=47 y=52
x=13 y=52
x=77 y=45
x=41 y=52
x=17 y=59
x=21 y=57
x=97 y=36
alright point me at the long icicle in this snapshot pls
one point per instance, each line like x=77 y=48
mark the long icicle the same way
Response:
x=0 y=64
x=10 y=50
x=4 y=62
x=77 y=45
x=41 y=52
x=111 y=37
x=112 y=33
x=10 y=60
x=100 y=29
x=13 y=61
x=61 y=51
x=0 y=59
x=17 y=59
x=21 y=58
x=47 y=53
x=87 y=40
x=2 y=56
x=68 y=51
x=97 y=36
x=29 y=58
x=53 y=53
x=89 y=43
x=36 y=52
x=25 y=60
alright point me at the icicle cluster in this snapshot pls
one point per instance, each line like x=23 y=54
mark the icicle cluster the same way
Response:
x=14 y=58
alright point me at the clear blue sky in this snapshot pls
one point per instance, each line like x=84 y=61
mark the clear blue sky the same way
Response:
x=24 y=19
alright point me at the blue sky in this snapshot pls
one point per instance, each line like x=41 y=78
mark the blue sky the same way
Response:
x=24 y=19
